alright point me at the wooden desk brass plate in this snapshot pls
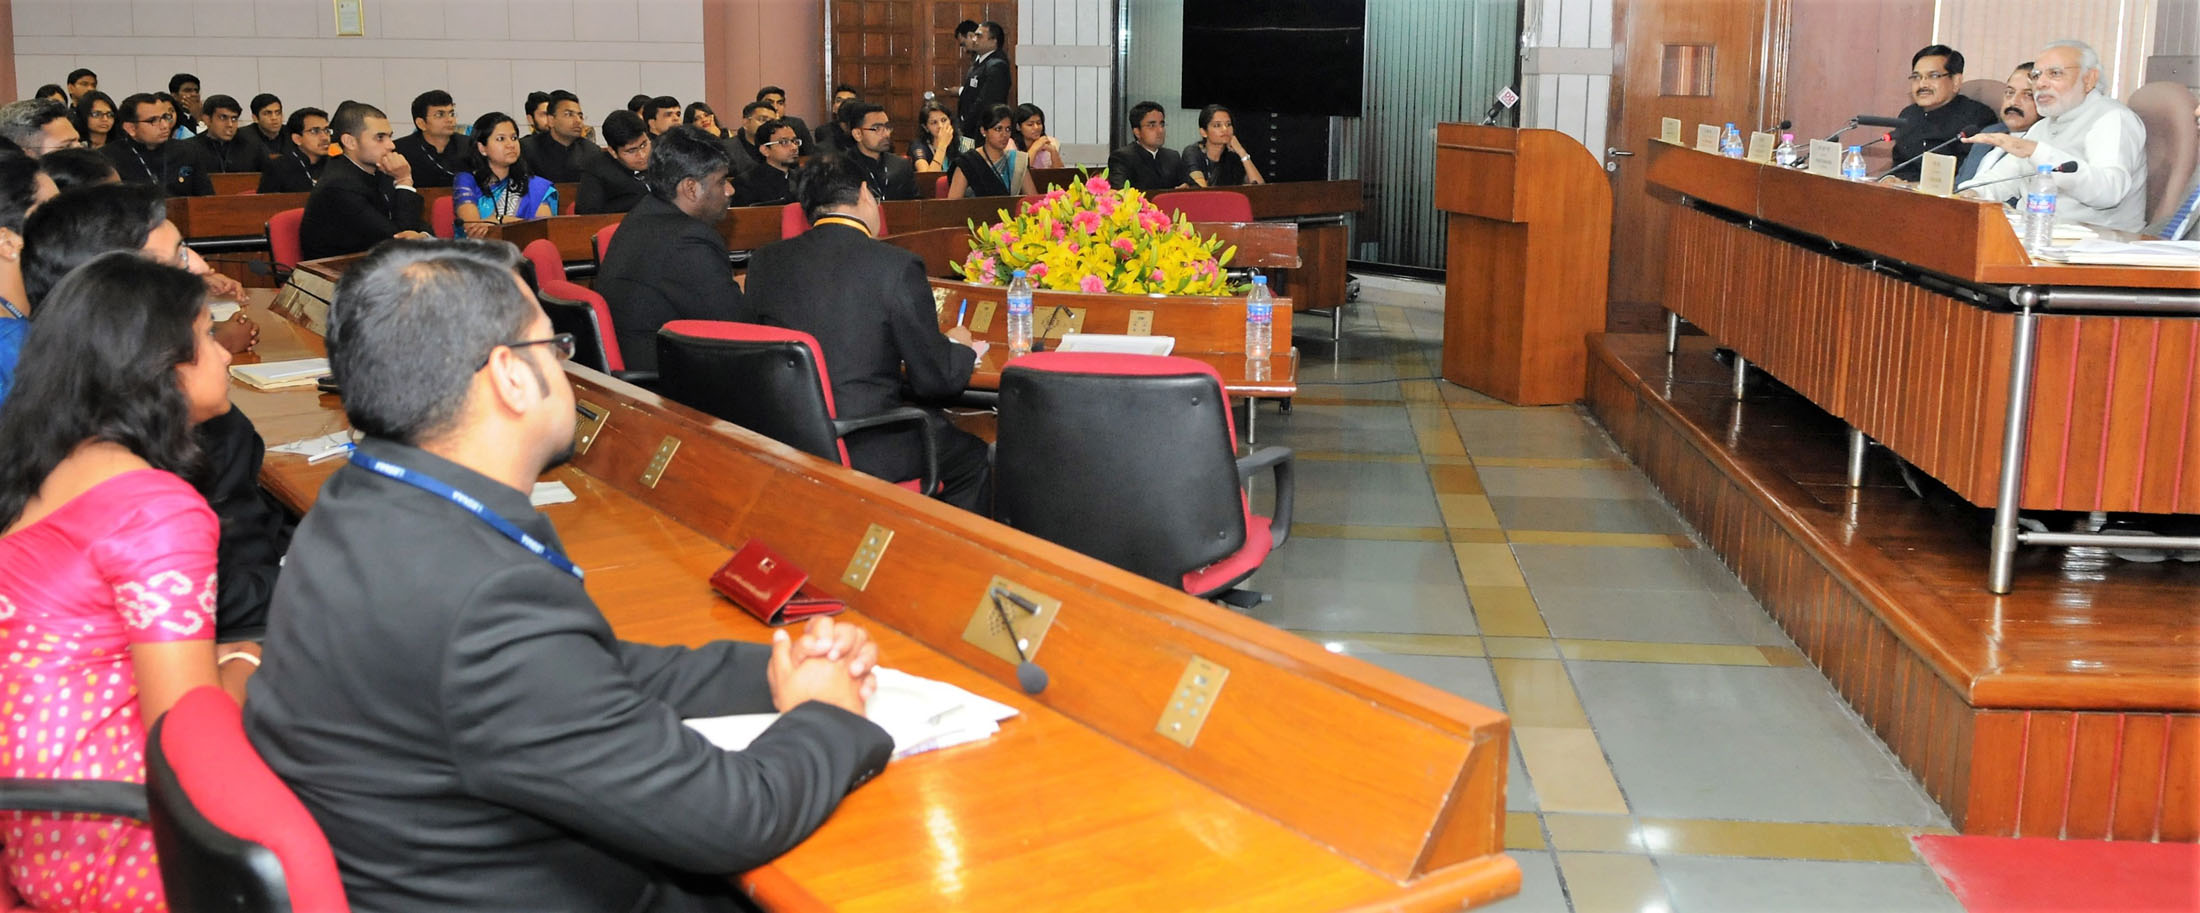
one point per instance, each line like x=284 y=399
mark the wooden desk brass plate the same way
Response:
x=866 y=558
x=986 y=633
x=1141 y=324
x=592 y=418
x=1054 y=324
x=981 y=316
x=658 y=461
x=1192 y=700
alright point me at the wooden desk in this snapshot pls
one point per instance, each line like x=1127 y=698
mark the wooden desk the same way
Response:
x=234 y=182
x=1279 y=379
x=1316 y=782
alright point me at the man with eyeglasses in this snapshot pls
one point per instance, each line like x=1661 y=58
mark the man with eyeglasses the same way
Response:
x=618 y=178
x=38 y=126
x=297 y=167
x=143 y=156
x=668 y=261
x=2078 y=123
x=1937 y=112
x=777 y=98
x=891 y=176
x=1147 y=162
x=224 y=146
x=556 y=155
x=437 y=160
x=771 y=181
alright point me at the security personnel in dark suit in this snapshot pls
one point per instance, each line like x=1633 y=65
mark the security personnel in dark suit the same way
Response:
x=618 y=178
x=771 y=181
x=143 y=155
x=869 y=306
x=451 y=706
x=667 y=262
x=365 y=196
x=891 y=177
x=986 y=84
x=296 y=167
x=1148 y=163
x=435 y=120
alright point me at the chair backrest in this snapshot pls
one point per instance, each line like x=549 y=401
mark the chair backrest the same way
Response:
x=1207 y=205
x=939 y=187
x=230 y=835
x=1130 y=459
x=1984 y=91
x=581 y=312
x=770 y=380
x=602 y=242
x=543 y=253
x=442 y=214
x=283 y=245
x=791 y=221
x=2172 y=144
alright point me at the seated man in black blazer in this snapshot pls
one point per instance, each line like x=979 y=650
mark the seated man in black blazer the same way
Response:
x=365 y=196
x=771 y=181
x=557 y=154
x=297 y=165
x=870 y=144
x=452 y=708
x=869 y=306
x=617 y=178
x=1148 y=163
x=144 y=155
x=667 y=262
x=777 y=98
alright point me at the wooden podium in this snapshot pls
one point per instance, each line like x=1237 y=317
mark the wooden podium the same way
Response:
x=1526 y=264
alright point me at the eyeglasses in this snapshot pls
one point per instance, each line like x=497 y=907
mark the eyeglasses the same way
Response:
x=1935 y=75
x=168 y=118
x=316 y=131
x=563 y=344
x=2056 y=74
x=779 y=142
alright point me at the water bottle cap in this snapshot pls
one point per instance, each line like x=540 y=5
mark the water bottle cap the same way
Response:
x=1019 y=274
x=2046 y=169
x=1260 y=280
x=1787 y=137
x=1856 y=148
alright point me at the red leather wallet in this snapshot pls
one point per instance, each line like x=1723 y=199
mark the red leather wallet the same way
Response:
x=770 y=587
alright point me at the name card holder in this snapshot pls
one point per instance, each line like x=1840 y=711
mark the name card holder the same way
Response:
x=1707 y=138
x=1937 y=175
x=1825 y=158
x=1760 y=148
x=1669 y=130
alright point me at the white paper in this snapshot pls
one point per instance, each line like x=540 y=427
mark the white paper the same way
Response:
x=2128 y=253
x=314 y=446
x=547 y=493
x=920 y=714
x=1114 y=344
x=223 y=310
x=275 y=374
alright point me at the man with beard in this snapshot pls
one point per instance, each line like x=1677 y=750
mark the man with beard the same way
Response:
x=2078 y=123
x=1937 y=112
x=2018 y=114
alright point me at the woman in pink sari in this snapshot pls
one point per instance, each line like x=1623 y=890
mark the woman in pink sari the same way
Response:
x=107 y=562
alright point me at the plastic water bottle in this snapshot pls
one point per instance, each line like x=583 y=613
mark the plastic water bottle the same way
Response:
x=1260 y=312
x=1730 y=144
x=1019 y=315
x=1852 y=164
x=2039 y=209
x=1783 y=155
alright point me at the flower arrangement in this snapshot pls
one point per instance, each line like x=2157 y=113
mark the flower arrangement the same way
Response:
x=1090 y=237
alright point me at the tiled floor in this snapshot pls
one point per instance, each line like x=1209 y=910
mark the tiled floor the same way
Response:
x=1672 y=750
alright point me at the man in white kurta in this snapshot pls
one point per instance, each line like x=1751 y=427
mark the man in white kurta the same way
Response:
x=2077 y=123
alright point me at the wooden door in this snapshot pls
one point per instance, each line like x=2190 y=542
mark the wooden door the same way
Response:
x=1702 y=61
x=894 y=51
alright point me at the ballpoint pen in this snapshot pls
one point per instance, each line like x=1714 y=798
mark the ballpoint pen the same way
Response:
x=962 y=312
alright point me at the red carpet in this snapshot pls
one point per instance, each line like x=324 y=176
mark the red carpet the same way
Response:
x=2009 y=875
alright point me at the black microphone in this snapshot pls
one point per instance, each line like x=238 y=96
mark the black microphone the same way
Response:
x=1491 y=117
x=1028 y=674
x=1039 y=339
x=1868 y=120
x=2064 y=168
x=1960 y=134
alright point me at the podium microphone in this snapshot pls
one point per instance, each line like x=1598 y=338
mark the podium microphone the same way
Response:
x=2068 y=167
x=1029 y=675
x=1496 y=107
x=1867 y=120
x=1960 y=134
x=1039 y=339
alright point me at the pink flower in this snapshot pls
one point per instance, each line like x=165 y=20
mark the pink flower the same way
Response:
x=1124 y=246
x=1087 y=222
x=1152 y=220
x=1058 y=232
x=1036 y=270
x=1092 y=284
x=1097 y=184
x=1157 y=275
x=1107 y=205
x=987 y=268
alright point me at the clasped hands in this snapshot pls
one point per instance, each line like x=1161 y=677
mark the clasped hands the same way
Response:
x=831 y=662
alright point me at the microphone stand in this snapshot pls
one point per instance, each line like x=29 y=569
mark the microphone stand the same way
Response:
x=1936 y=147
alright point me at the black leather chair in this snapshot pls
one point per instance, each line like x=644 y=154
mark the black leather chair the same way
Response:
x=772 y=381
x=1133 y=460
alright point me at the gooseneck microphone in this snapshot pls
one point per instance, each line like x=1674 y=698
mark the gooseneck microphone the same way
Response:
x=1936 y=147
x=1867 y=120
x=1039 y=339
x=1496 y=108
x=1029 y=675
x=2069 y=167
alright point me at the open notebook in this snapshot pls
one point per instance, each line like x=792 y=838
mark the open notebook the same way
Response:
x=921 y=715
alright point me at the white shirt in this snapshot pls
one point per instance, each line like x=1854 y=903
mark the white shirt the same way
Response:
x=2109 y=144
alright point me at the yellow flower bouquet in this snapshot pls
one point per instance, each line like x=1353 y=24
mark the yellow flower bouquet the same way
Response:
x=1090 y=237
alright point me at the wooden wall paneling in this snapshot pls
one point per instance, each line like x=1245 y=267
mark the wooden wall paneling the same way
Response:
x=2179 y=818
x=2096 y=753
x=2134 y=813
x=2173 y=419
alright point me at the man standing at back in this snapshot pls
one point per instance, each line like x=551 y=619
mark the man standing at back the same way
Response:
x=870 y=308
x=142 y=154
x=2078 y=123
x=436 y=154
x=365 y=196
x=667 y=261
x=556 y=155
x=1937 y=112
x=986 y=84
x=450 y=705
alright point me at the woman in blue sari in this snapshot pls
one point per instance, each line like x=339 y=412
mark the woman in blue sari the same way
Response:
x=499 y=189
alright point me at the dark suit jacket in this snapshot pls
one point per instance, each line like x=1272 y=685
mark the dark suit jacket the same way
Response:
x=745 y=155
x=550 y=161
x=457 y=715
x=437 y=169
x=763 y=185
x=255 y=529
x=985 y=84
x=892 y=177
x=1160 y=170
x=607 y=186
x=174 y=166
x=351 y=210
x=664 y=266
x=1962 y=114
x=240 y=154
x=869 y=306
x=289 y=173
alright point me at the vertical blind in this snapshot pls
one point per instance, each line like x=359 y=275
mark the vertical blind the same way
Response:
x=1996 y=35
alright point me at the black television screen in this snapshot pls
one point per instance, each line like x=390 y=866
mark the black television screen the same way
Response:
x=1275 y=56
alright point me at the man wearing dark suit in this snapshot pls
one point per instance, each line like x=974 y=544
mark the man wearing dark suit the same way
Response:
x=1148 y=163
x=619 y=177
x=225 y=146
x=744 y=144
x=1937 y=112
x=891 y=176
x=437 y=153
x=771 y=181
x=668 y=261
x=365 y=196
x=869 y=306
x=777 y=98
x=143 y=155
x=304 y=153
x=986 y=84
x=451 y=706
x=558 y=154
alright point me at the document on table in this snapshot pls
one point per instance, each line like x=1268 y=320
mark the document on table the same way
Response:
x=2184 y=254
x=223 y=310
x=281 y=375
x=1113 y=344
x=547 y=493
x=919 y=713
x=318 y=448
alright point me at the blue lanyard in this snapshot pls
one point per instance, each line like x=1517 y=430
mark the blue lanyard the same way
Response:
x=434 y=486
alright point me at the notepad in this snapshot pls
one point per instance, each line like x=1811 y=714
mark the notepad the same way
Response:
x=1113 y=344
x=548 y=493
x=281 y=375
x=920 y=714
x=2174 y=254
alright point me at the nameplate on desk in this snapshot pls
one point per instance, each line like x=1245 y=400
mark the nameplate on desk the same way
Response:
x=1825 y=158
x=1760 y=148
x=1937 y=176
x=1669 y=130
x=1707 y=138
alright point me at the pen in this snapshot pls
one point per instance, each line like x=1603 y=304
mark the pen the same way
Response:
x=961 y=312
x=333 y=452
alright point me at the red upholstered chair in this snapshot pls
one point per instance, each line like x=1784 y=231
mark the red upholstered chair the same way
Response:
x=283 y=247
x=939 y=187
x=1206 y=205
x=772 y=380
x=441 y=214
x=1132 y=459
x=94 y=797
x=602 y=242
x=231 y=836
x=791 y=221
x=580 y=311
